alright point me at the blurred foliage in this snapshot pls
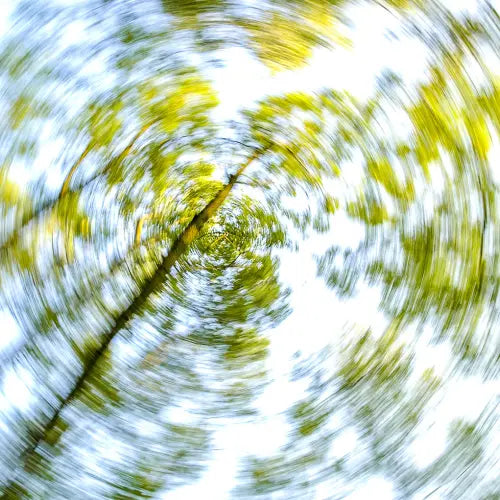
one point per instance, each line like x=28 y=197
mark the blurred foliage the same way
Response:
x=369 y=393
x=146 y=277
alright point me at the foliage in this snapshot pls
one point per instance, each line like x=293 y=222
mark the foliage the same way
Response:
x=149 y=281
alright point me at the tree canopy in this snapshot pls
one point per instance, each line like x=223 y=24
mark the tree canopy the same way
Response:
x=141 y=258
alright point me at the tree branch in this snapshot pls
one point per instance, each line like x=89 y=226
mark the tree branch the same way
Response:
x=65 y=190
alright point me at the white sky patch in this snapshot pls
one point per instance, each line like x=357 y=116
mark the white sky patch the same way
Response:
x=9 y=330
x=148 y=428
x=262 y=437
x=216 y=484
x=376 y=488
x=467 y=397
x=180 y=414
x=281 y=394
x=465 y=6
x=6 y=8
x=15 y=390
x=429 y=446
x=437 y=357
x=345 y=443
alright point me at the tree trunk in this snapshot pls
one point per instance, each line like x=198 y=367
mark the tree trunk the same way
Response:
x=151 y=286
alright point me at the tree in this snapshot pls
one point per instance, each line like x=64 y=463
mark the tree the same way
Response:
x=144 y=266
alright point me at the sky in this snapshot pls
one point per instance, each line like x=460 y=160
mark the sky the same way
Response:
x=318 y=316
